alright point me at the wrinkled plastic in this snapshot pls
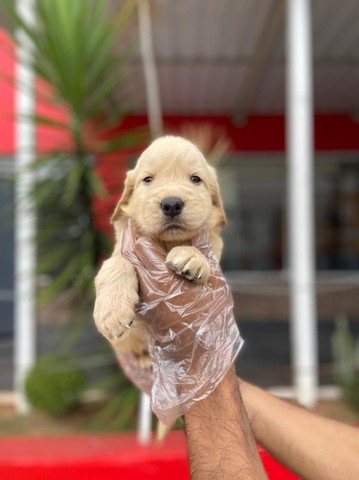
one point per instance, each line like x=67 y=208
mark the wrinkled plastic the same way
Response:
x=193 y=338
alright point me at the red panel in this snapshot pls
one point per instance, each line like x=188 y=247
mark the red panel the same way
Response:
x=7 y=72
x=50 y=137
x=336 y=133
x=257 y=133
x=109 y=457
x=266 y=133
x=274 y=469
x=94 y=457
x=112 y=169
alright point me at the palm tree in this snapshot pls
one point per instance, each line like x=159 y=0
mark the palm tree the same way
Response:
x=79 y=50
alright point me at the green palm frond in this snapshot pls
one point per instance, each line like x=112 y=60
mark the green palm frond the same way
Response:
x=79 y=51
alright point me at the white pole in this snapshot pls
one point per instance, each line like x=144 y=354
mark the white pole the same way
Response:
x=300 y=197
x=154 y=112
x=25 y=220
x=145 y=420
x=151 y=79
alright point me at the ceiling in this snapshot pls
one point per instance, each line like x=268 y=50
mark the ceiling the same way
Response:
x=228 y=56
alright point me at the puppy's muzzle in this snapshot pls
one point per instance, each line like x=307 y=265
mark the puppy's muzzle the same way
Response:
x=172 y=206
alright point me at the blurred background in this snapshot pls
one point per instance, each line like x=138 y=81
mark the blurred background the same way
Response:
x=107 y=76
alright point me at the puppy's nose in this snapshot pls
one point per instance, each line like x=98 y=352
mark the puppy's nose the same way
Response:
x=172 y=206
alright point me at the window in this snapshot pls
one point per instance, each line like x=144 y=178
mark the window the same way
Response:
x=254 y=192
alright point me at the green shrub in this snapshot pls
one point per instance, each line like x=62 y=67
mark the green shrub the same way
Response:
x=351 y=390
x=346 y=361
x=54 y=385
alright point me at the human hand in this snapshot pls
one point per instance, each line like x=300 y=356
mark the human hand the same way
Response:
x=193 y=338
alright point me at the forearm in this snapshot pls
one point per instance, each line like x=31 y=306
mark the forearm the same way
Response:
x=220 y=440
x=315 y=448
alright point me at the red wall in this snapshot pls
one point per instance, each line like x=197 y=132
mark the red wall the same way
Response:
x=7 y=97
x=258 y=133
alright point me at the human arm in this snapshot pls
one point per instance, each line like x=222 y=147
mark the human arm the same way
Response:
x=194 y=341
x=314 y=447
x=220 y=439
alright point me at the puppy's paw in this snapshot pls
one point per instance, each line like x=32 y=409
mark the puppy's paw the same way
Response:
x=113 y=318
x=116 y=298
x=190 y=263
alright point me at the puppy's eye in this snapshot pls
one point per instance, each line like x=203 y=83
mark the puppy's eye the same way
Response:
x=195 y=179
x=148 y=179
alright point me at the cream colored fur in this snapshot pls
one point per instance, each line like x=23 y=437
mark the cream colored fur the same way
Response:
x=172 y=163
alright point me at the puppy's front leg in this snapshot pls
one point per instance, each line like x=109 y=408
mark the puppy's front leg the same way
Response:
x=189 y=262
x=116 y=297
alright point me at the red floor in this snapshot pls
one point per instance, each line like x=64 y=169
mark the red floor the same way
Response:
x=103 y=457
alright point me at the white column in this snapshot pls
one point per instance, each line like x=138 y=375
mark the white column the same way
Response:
x=144 y=432
x=25 y=219
x=154 y=111
x=153 y=97
x=300 y=197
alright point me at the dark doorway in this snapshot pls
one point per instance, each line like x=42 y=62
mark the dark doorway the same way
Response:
x=6 y=257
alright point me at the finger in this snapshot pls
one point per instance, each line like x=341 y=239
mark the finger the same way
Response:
x=151 y=254
x=147 y=250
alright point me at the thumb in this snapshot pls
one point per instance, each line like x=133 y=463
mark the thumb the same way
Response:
x=154 y=277
x=149 y=252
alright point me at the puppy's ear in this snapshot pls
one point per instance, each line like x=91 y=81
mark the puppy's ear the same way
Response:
x=220 y=215
x=125 y=198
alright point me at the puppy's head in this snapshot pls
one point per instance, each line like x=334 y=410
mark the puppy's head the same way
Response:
x=172 y=193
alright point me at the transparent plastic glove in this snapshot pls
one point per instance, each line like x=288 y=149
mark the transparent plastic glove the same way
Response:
x=193 y=337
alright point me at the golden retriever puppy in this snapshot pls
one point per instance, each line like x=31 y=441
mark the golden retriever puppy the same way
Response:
x=171 y=195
